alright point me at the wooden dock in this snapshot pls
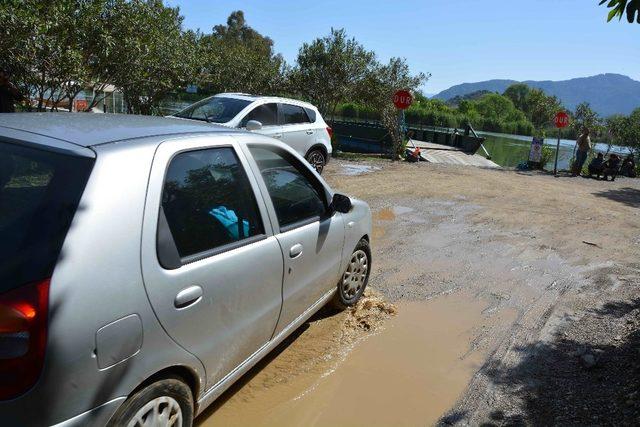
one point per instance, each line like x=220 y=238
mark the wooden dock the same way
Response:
x=444 y=154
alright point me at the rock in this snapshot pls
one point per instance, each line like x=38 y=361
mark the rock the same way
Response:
x=588 y=360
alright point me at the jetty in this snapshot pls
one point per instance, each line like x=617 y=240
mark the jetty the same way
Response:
x=437 y=144
x=446 y=154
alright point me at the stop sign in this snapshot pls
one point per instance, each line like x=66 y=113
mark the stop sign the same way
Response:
x=561 y=120
x=402 y=99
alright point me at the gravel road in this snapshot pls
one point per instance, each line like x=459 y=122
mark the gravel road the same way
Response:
x=563 y=254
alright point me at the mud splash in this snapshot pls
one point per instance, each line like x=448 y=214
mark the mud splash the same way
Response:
x=408 y=372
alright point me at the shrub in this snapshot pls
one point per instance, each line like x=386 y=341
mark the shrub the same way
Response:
x=546 y=155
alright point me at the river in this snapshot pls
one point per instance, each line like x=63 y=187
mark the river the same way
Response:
x=509 y=150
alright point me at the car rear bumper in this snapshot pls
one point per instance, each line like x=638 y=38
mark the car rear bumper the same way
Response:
x=98 y=416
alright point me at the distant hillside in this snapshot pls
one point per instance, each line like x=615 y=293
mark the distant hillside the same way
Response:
x=468 y=97
x=608 y=94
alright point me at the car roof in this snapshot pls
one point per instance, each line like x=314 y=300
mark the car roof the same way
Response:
x=249 y=97
x=87 y=129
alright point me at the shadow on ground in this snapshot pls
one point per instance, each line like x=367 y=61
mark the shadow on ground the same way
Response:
x=572 y=381
x=628 y=196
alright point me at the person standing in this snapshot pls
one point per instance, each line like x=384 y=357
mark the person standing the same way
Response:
x=9 y=94
x=584 y=146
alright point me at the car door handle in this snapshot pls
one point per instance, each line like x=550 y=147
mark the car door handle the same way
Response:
x=188 y=296
x=278 y=135
x=309 y=132
x=295 y=251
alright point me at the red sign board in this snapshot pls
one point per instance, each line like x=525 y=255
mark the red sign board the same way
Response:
x=402 y=99
x=81 y=104
x=561 y=120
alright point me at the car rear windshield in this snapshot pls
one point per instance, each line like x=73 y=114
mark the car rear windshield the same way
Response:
x=215 y=110
x=39 y=194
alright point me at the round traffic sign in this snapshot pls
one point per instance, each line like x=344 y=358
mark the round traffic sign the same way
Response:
x=402 y=99
x=561 y=120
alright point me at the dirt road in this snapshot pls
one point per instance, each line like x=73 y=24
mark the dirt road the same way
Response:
x=510 y=298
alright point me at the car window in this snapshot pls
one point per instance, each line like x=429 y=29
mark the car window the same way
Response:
x=311 y=114
x=296 y=197
x=39 y=195
x=208 y=202
x=215 y=110
x=292 y=114
x=267 y=114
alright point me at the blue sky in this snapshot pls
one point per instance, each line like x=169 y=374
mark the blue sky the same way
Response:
x=456 y=41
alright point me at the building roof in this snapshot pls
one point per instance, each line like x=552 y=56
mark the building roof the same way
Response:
x=86 y=129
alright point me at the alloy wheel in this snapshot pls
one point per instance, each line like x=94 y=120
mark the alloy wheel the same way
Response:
x=316 y=159
x=355 y=276
x=163 y=411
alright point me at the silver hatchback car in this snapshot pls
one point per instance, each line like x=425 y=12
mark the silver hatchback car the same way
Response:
x=147 y=263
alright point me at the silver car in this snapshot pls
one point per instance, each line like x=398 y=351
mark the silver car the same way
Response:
x=147 y=263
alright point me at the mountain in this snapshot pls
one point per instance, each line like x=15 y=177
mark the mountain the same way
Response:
x=608 y=93
x=455 y=101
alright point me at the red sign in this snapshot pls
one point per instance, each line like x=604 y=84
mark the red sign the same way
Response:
x=402 y=99
x=81 y=104
x=561 y=120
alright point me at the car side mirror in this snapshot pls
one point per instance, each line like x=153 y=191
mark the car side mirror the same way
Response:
x=341 y=203
x=254 y=125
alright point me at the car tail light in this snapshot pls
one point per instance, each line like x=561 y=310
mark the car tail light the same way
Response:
x=23 y=337
x=330 y=132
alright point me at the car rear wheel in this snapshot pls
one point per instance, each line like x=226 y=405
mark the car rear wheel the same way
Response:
x=355 y=277
x=164 y=403
x=317 y=159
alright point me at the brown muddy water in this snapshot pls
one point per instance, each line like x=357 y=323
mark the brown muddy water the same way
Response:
x=365 y=366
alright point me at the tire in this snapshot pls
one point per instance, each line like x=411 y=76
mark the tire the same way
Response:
x=355 y=278
x=317 y=159
x=173 y=397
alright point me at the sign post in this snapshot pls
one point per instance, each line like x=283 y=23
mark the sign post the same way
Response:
x=402 y=99
x=561 y=120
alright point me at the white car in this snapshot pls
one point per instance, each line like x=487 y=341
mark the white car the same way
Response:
x=296 y=123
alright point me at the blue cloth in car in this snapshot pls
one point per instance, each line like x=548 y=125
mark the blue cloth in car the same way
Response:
x=229 y=220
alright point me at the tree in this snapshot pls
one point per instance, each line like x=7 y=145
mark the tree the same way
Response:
x=377 y=88
x=625 y=131
x=56 y=48
x=619 y=7
x=518 y=93
x=329 y=69
x=147 y=55
x=236 y=58
x=542 y=108
x=41 y=45
x=585 y=117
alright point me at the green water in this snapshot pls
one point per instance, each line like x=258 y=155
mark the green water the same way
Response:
x=509 y=150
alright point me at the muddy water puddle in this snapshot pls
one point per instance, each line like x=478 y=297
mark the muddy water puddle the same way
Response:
x=385 y=215
x=355 y=169
x=366 y=369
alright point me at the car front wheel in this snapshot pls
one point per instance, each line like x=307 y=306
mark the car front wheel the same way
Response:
x=355 y=277
x=317 y=159
x=164 y=403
